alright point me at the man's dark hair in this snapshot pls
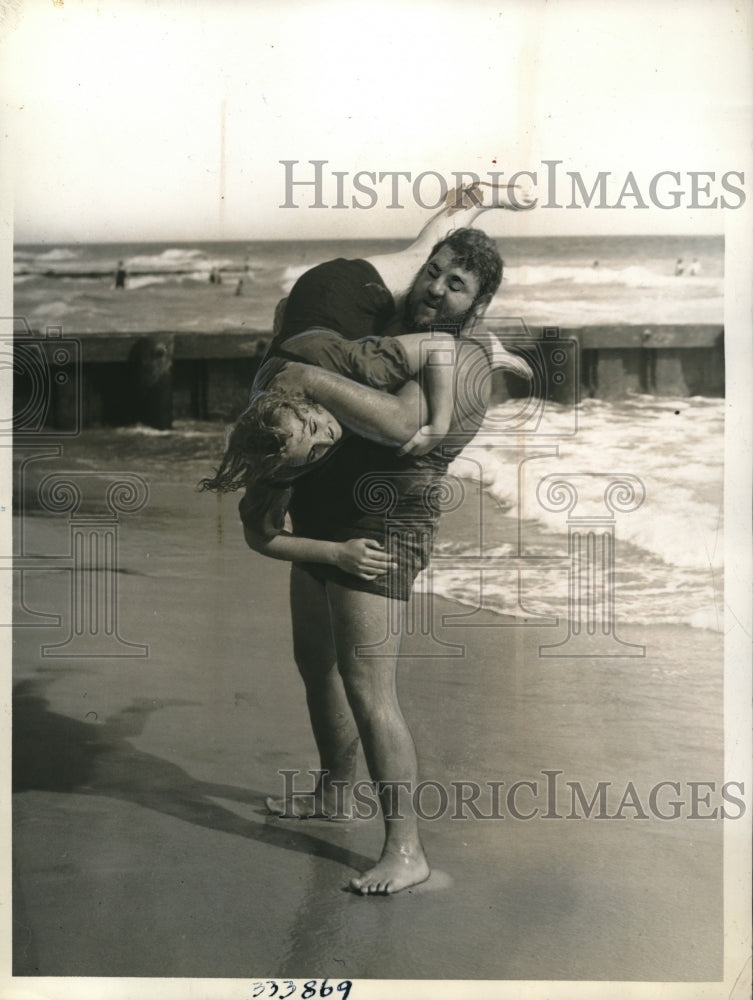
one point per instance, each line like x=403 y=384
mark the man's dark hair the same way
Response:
x=476 y=252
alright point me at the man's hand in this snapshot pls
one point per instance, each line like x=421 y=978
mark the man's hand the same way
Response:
x=363 y=557
x=425 y=438
x=501 y=358
x=292 y=376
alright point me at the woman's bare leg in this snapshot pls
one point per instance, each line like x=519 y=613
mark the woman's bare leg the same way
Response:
x=461 y=207
x=362 y=619
x=331 y=718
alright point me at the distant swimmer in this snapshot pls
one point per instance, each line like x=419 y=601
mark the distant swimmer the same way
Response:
x=120 y=275
x=239 y=287
x=595 y=264
x=679 y=267
x=215 y=278
x=695 y=267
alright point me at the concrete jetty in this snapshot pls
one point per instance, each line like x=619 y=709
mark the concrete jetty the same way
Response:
x=115 y=379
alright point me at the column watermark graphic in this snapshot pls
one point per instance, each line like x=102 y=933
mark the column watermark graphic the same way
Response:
x=93 y=560
x=48 y=410
x=591 y=547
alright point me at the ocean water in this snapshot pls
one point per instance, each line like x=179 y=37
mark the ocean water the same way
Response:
x=668 y=563
x=668 y=552
x=550 y=281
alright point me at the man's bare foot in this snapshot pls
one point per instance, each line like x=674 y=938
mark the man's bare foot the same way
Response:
x=311 y=807
x=392 y=873
x=502 y=358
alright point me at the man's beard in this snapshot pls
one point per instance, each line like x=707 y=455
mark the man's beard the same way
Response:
x=443 y=316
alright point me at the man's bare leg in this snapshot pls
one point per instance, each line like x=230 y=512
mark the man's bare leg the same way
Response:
x=361 y=619
x=331 y=718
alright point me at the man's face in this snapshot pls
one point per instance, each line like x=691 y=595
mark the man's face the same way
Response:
x=442 y=292
x=311 y=435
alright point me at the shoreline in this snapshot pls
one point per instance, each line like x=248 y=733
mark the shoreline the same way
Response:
x=482 y=524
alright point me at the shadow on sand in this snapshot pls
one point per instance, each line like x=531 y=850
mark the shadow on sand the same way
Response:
x=55 y=753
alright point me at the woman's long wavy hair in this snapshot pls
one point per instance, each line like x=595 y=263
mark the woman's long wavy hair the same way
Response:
x=252 y=456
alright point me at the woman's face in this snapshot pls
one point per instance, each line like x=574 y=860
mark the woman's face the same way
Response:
x=311 y=435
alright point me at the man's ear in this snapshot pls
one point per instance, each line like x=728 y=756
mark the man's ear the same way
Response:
x=481 y=305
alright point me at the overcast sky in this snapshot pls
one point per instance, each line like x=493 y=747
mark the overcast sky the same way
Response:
x=166 y=120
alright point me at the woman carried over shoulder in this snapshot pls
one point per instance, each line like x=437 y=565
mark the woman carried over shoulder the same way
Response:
x=317 y=386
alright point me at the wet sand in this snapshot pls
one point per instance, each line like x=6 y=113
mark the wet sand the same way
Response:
x=142 y=846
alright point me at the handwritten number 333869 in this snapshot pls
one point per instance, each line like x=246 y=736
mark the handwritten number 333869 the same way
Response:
x=310 y=989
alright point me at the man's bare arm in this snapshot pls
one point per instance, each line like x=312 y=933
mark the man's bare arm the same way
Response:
x=389 y=419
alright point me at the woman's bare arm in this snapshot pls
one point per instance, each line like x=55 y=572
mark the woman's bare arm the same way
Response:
x=461 y=207
x=265 y=528
x=433 y=355
x=362 y=557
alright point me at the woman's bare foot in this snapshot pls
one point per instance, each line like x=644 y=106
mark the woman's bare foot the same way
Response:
x=392 y=873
